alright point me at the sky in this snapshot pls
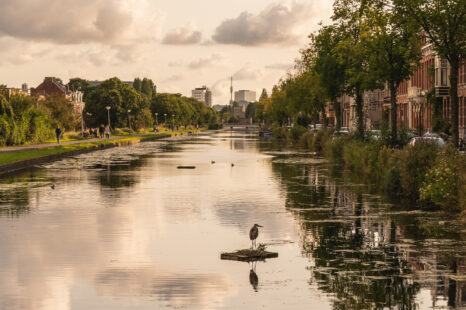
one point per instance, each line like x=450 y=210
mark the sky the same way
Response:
x=179 y=44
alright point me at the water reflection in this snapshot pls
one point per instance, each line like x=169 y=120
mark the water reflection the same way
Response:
x=363 y=257
x=125 y=229
x=253 y=278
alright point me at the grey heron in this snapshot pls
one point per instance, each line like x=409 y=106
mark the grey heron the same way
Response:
x=253 y=233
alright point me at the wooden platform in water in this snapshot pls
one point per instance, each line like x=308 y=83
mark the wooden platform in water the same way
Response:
x=248 y=255
x=186 y=167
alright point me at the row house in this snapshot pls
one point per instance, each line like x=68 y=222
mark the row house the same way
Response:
x=413 y=110
x=50 y=87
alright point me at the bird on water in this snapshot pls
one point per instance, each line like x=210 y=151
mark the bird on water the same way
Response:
x=253 y=233
x=52 y=186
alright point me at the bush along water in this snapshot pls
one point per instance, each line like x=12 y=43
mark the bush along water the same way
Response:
x=424 y=173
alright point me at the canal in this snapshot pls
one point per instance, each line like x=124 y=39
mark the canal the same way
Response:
x=125 y=229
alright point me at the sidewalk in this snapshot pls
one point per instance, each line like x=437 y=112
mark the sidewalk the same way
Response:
x=53 y=144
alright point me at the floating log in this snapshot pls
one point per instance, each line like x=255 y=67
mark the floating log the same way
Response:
x=248 y=255
x=186 y=167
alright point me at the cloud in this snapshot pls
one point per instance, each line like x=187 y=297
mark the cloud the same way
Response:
x=280 y=66
x=276 y=24
x=213 y=60
x=248 y=73
x=76 y=22
x=201 y=63
x=185 y=35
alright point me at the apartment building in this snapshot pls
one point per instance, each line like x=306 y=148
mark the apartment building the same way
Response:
x=202 y=94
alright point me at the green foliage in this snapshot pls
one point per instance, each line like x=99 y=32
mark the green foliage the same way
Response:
x=296 y=132
x=120 y=97
x=445 y=181
x=80 y=84
x=21 y=123
x=414 y=162
x=186 y=111
x=61 y=112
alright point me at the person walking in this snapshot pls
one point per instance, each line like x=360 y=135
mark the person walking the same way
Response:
x=107 y=132
x=58 y=133
x=101 y=131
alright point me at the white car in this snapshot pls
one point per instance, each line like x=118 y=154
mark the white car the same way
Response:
x=429 y=139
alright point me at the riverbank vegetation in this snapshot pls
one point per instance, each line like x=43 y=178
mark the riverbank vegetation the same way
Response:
x=372 y=45
x=29 y=120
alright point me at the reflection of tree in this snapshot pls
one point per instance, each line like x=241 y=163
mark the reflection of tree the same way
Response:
x=348 y=264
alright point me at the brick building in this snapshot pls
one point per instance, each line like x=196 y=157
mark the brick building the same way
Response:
x=50 y=87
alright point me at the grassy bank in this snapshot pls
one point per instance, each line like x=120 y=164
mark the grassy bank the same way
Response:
x=16 y=156
x=424 y=173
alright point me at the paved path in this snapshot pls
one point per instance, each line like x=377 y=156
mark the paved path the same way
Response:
x=46 y=145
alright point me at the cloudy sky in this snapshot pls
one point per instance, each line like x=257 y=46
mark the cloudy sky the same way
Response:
x=180 y=44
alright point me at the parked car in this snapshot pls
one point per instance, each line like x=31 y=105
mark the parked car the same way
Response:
x=340 y=133
x=376 y=134
x=430 y=139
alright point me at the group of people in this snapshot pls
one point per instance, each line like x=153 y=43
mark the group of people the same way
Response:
x=100 y=132
x=93 y=132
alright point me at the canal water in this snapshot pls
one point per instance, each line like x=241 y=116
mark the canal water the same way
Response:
x=125 y=229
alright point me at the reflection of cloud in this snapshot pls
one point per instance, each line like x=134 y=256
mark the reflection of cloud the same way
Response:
x=276 y=24
x=185 y=35
x=176 y=289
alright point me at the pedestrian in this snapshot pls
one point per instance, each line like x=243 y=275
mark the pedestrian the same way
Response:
x=101 y=131
x=107 y=132
x=58 y=133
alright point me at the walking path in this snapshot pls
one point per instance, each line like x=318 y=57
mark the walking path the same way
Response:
x=46 y=145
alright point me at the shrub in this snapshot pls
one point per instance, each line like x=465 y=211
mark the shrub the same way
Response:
x=414 y=162
x=334 y=149
x=297 y=131
x=444 y=183
x=280 y=133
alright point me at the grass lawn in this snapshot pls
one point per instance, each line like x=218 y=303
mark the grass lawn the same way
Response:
x=9 y=157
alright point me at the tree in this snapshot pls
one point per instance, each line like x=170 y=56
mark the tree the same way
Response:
x=351 y=19
x=120 y=97
x=148 y=88
x=264 y=94
x=61 y=112
x=393 y=51
x=137 y=84
x=79 y=84
x=250 y=110
x=444 y=24
x=322 y=57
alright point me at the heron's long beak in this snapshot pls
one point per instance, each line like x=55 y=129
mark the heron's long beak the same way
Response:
x=260 y=225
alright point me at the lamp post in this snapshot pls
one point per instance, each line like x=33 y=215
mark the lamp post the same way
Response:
x=165 y=118
x=108 y=115
x=129 y=119
x=157 y=118
x=173 y=122
x=417 y=110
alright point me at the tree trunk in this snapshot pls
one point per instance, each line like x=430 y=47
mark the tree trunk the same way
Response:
x=359 y=115
x=393 y=115
x=324 y=116
x=454 y=99
x=337 y=108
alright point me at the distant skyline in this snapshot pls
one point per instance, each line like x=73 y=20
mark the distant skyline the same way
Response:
x=179 y=44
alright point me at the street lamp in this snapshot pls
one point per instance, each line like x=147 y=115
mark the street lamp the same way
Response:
x=108 y=115
x=165 y=118
x=173 y=122
x=417 y=110
x=157 y=119
x=129 y=120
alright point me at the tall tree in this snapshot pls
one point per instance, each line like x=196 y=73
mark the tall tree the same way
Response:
x=444 y=24
x=350 y=17
x=137 y=84
x=393 y=51
x=264 y=94
x=322 y=57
